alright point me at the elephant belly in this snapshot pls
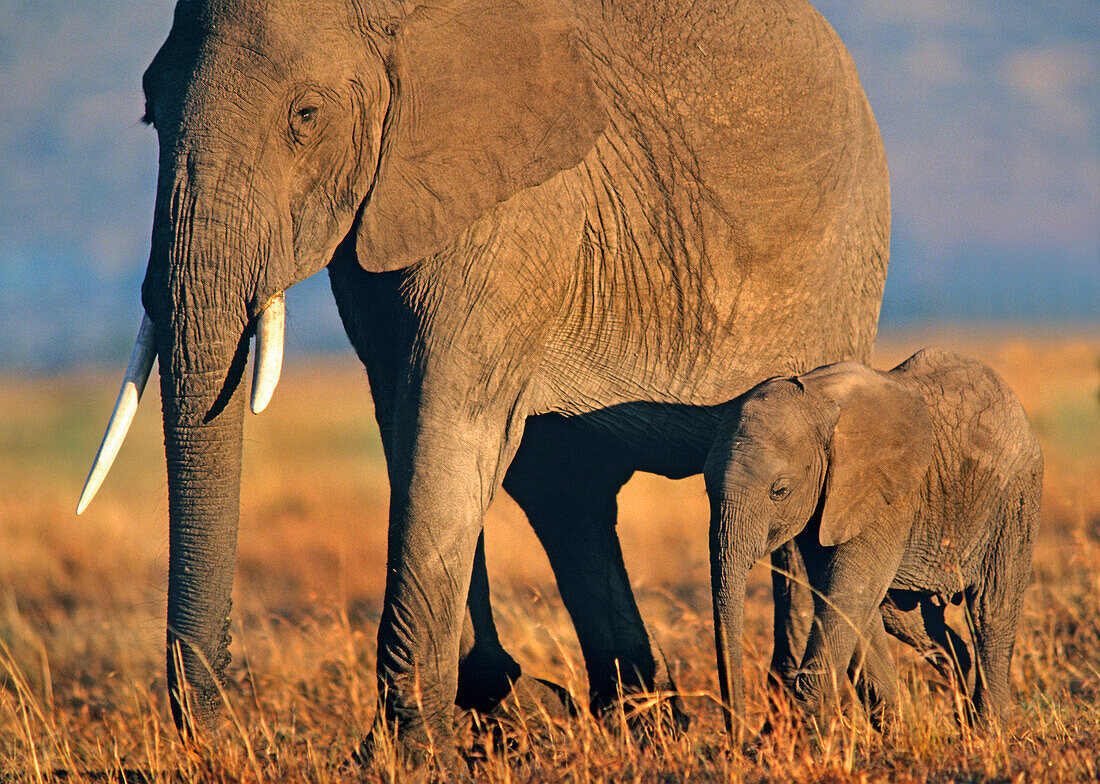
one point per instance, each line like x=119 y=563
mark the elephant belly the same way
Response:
x=666 y=439
x=933 y=573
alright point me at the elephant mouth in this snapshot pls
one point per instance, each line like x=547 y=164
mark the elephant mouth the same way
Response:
x=270 y=341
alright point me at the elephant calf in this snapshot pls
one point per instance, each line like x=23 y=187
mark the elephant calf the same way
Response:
x=923 y=482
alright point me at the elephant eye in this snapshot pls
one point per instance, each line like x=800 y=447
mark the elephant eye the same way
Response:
x=305 y=112
x=780 y=488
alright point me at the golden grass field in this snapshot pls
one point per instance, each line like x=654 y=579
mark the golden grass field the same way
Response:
x=82 y=693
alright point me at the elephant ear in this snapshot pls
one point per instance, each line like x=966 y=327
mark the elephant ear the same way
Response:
x=880 y=450
x=488 y=97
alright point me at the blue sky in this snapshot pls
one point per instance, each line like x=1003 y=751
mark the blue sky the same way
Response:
x=990 y=110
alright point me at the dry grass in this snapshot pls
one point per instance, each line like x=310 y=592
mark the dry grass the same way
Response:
x=82 y=605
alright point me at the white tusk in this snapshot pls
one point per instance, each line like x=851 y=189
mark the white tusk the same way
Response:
x=269 y=353
x=137 y=373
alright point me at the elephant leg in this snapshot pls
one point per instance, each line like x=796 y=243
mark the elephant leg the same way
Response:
x=874 y=674
x=850 y=583
x=443 y=473
x=922 y=626
x=994 y=618
x=794 y=612
x=994 y=604
x=566 y=483
x=833 y=644
x=577 y=529
x=490 y=681
x=793 y=604
x=994 y=610
x=486 y=672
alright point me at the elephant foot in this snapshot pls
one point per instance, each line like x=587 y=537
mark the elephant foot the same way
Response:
x=531 y=718
x=648 y=709
x=880 y=702
x=384 y=749
x=782 y=704
x=782 y=672
x=785 y=724
x=647 y=716
x=884 y=719
x=753 y=748
x=486 y=677
x=533 y=697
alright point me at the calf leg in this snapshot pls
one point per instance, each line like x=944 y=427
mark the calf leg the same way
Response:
x=850 y=581
x=874 y=674
x=794 y=612
x=994 y=618
x=995 y=603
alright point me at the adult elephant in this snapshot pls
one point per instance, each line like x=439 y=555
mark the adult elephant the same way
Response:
x=559 y=235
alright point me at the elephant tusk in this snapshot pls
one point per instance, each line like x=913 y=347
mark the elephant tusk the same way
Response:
x=269 y=352
x=137 y=373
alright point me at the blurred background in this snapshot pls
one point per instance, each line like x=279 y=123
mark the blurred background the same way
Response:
x=990 y=110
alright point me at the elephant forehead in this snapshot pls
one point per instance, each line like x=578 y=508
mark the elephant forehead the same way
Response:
x=772 y=394
x=277 y=31
x=775 y=414
x=750 y=463
x=264 y=12
x=222 y=53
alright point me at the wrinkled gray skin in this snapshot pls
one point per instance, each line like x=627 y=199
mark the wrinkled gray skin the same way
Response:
x=557 y=238
x=923 y=482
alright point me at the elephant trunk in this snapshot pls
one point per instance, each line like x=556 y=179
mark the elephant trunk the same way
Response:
x=732 y=555
x=203 y=413
x=201 y=290
x=204 y=480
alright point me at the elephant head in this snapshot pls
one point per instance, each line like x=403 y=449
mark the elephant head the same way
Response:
x=843 y=445
x=284 y=129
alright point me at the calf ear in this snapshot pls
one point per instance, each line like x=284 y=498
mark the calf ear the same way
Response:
x=489 y=97
x=880 y=450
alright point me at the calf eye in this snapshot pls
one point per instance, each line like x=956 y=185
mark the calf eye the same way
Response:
x=780 y=488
